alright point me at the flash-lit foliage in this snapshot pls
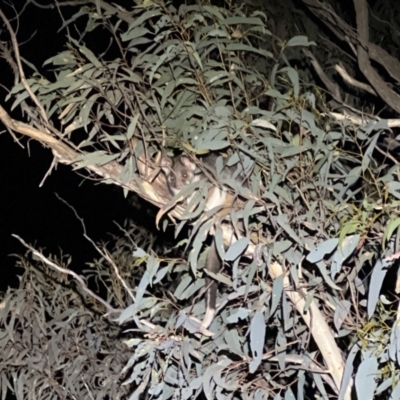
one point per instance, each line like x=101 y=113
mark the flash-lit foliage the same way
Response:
x=301 y=284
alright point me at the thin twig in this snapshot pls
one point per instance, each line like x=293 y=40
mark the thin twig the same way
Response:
x=103 y=254
x=109 y=308
x=20 y=69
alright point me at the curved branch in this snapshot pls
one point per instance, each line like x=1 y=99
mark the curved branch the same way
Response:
x=156 y=193
x=53 y=265
x=351 y=81
x=331 y=86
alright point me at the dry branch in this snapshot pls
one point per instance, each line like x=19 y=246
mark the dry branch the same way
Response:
x=365 y=50
x=351 y=81
x=388 y=95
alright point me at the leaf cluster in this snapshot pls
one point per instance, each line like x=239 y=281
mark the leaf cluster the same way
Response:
x=54 y=342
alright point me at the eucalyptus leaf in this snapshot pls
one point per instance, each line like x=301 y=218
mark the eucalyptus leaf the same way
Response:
x=257 y=337
x=341 y=312
x=323 y=248
x=378 y=274
x=365 y=382
x=300 y=41
x=236 y=249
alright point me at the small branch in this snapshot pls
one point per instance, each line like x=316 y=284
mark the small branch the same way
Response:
x=20 y=69
x=332 y=87
x=312 y=367
x=103 y=254
x=392 y=123
x=351 y=81
x=386 y=154
x=109 y=308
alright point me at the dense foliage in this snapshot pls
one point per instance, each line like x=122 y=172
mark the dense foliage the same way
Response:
x=300 y=313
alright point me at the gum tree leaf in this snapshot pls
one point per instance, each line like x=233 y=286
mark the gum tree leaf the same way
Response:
x=276 y=293
x=341 y=312
x=257 y=338
x=322 y=249
x=365 y=381
x=300 y=40
x=348 y=370
x=346 y=248
x=236 y=249
x=378 y=275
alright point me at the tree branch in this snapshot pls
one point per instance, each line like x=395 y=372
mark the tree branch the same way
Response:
x=156 y=193
x=20 y=69
x=51 y=264
x=381 y=87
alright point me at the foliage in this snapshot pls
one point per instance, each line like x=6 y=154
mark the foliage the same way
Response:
x=352 y=81
x=54 y=343
x=321 y=205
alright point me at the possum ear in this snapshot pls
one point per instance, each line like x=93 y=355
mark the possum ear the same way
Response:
x=189 y=164
x=166 y=165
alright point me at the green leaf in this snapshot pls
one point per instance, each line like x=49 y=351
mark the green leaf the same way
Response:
x=236 y=249
x=87 y=53
x=257 y=338
x=132 y=127
x=276 y=293
x=365 y=386
x=300 y=40
x=390 y=228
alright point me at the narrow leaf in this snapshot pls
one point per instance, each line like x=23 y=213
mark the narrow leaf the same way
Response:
x=257 y=338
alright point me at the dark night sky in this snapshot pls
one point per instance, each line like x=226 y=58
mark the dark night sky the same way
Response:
x=40 y=218
x=35 y=213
